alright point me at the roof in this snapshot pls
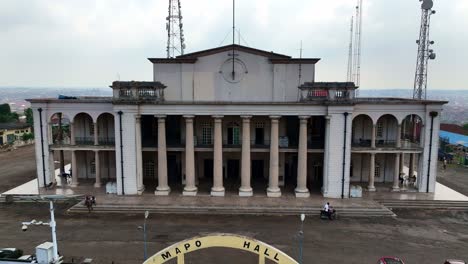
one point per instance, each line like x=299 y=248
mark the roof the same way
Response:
x=137 y=84
x=10 y=126
x=275 y=58
x=454 y=139
x=454 y=129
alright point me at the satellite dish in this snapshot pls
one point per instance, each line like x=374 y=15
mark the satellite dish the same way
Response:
x=427 y=4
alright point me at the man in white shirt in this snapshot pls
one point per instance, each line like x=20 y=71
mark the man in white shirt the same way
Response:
x=327 y=210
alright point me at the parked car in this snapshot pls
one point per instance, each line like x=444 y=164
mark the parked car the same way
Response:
x=454 y=261
x=390 y=260
x=10 y=253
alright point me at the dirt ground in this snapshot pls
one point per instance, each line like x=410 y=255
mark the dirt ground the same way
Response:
x=455 y=177
x=17 y=167
x=416 y=236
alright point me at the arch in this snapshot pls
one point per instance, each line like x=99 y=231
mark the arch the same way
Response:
x=411 y=129
x=60 y=128
x=105 y=128
x=83 y=127
x=386 y=131
x=362 y=130
x=178 y=250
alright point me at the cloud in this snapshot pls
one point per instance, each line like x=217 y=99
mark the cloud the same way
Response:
x=87 y=42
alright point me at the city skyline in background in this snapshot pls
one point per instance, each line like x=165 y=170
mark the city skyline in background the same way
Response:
x=90 y=44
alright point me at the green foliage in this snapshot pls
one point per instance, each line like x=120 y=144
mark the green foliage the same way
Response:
x=27 y=136
x=465 y=126
x=29 y=117
x=6 y=115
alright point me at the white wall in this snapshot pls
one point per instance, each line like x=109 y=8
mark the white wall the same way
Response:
x=203 y=80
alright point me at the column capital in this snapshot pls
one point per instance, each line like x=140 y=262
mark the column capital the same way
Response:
x=138 y=118
x=275 y=117
x=160 y=116
x=217 y=116
x=304 y=117
x=328 y=117
x=187 y=117
x=96 y=151
x=246 y=117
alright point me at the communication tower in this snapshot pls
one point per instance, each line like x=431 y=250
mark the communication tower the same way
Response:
x=357 y=44
x=175 y=32
x=349 y=74
x=424 y=51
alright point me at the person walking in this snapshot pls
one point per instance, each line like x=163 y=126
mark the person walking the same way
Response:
x=88 y=203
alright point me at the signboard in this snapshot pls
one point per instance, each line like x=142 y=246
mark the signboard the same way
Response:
x=178 y=250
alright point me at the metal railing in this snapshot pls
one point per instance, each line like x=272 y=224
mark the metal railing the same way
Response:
x=314 y=144
x=362 y=143
x=256 y=143
x=381 y=143
x=84 y=140
x=106 y=141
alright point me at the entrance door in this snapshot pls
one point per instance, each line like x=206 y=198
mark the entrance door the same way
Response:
x=233 y=170
x=259 y=136
x=173 y=169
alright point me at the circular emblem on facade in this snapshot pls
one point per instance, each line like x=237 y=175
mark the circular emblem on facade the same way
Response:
x=233 y=70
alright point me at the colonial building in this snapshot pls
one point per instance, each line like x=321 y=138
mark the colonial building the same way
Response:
x=239 y=120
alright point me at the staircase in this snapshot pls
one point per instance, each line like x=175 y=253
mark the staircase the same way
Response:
x=424 y=204
x=232 y=210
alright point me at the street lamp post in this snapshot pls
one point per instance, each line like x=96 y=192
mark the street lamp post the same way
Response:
x=144 y=234
x=52 y=225
x=301 y=238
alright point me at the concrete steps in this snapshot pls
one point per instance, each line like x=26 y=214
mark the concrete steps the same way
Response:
x=425 y=204
x=232 y=210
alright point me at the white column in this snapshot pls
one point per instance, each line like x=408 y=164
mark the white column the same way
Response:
x=411 y=165
x=139 y=158
x=163 y=187
x=373 y=135
x=49 y=132
x=273 y=189
x=52 y=167
x=301 y=189
x=96 y=140
x=74 y=167
x=245 y=189
x=326 y=158
x=371 y=187
x=396 y=176
x=72 y=133
x=218 y=188
x=190 y=187
x=97 y=162
x=398 y=139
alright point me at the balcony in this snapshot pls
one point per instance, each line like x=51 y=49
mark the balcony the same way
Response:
x=203 y=142
x=327 y=91
x=361 y=143
x=106 y=141
x=257 y=143
x=381 y=143
x=84 y=140
x=138 y=91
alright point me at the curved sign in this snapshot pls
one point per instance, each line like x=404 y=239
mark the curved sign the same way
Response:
x=178 y=250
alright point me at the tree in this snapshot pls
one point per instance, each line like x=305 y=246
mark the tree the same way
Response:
x=29 y=117
x=465 y=126
x=6 y=115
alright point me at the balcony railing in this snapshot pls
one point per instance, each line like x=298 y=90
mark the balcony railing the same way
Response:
x=148 y=91
x=314 y=144
x=380 y=143
x=84 y=140
x=361 y=143
x=106 y=141
x=256 y=143
x=201 y=142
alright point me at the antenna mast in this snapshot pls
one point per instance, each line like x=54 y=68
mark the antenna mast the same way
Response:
x=175 y=32
x=357 y=45
x=424 y=52
x=349 y=74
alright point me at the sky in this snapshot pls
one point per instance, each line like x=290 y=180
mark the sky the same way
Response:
x=90 y=43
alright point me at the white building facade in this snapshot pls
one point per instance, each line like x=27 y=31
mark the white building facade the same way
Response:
x=238 y=119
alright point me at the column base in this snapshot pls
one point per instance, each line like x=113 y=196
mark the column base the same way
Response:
x=191 y=191
x=97 y=185
x=141 y=190
x=74 y=184
x=274 y=192
x=217 y=192
x=371 y=189
x=162 y=191
x=302 y=193
x=395 y=189
x=245 y=192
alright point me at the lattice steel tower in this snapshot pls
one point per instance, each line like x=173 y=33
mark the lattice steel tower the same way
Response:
x=424 y=51
x=175 y=32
